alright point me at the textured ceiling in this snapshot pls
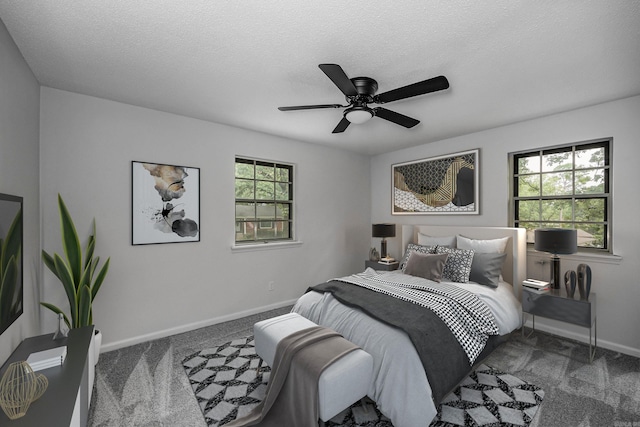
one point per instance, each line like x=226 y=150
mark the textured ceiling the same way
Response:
x=236 y=62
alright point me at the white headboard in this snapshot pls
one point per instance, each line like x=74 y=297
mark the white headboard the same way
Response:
x=514 y=269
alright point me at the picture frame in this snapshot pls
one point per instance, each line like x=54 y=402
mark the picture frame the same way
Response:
x=165 y=203
x=11 y=270
x=444 y=185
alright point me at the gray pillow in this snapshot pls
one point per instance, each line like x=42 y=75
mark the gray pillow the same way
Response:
x=458 y=266
x=486 y=268
x=427 y=266
x=412 y=247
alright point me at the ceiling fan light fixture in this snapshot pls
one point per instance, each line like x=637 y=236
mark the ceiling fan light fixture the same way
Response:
x=358 y=114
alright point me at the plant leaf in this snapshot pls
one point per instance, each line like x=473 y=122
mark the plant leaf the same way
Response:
x=57 y=311
x=88 y=252
x=64 y=273
x=84 y=307
x=70 y=242
x=100 y=278
x=86 y=276
x=50 y=263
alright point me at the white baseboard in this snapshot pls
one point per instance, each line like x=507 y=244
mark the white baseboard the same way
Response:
x=191 y=326
x=585 y=339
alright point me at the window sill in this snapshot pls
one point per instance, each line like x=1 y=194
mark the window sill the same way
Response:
x=582 y=256
x=248 y=247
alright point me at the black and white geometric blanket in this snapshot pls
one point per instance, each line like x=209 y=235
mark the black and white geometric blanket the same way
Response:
x=467 y=316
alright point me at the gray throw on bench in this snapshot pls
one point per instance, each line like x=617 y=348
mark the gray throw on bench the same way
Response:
x=292 y=393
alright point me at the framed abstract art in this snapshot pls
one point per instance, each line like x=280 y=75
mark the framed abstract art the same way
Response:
x=165 y=203
x=445 y=184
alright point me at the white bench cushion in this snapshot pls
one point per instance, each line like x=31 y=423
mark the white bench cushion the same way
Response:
x=344 y=382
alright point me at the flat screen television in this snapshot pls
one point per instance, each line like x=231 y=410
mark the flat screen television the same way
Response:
x=11 y=286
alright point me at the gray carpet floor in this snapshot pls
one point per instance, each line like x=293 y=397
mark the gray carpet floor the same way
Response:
x=145 y=384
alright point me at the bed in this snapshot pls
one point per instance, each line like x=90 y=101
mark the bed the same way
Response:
x=403 y=376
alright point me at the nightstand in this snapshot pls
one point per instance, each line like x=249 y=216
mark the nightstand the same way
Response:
x=556 y=305
x=381 y=266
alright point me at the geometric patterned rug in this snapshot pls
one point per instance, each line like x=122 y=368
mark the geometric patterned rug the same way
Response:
x=488 y=397
x=226 y=386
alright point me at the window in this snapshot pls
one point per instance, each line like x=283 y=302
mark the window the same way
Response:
x=264 y=201
x=565 y=187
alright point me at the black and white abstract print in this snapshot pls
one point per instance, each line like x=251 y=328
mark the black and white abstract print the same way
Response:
x=166 y=203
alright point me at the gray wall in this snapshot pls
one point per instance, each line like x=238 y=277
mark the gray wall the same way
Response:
x=614 y=278
x=87 y=147
x=19 y=124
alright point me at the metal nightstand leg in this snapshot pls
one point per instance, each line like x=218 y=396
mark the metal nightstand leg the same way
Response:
x=533 y=325
x=592 y=353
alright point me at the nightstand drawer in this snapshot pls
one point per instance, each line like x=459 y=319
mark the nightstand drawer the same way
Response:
x=555 y=305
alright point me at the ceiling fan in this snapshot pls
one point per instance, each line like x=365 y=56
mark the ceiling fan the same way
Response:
x=361 y=91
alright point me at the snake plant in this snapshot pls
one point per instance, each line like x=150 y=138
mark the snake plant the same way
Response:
x=76 y=271
x=10 y=248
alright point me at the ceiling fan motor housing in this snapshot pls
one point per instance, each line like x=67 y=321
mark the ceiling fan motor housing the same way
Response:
x=365 y=86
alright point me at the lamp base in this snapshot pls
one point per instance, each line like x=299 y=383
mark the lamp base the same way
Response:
x=554 y=280
x=383 y=248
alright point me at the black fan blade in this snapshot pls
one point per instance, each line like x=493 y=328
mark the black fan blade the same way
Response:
x=342 y=126
x=339 y=78
x=432 y=85
x=311 y=107
x=397 y=118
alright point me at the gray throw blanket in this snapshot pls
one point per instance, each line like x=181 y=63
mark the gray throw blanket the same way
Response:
x=292 y=393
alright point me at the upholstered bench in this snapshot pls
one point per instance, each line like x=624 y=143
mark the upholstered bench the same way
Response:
x=343 y=383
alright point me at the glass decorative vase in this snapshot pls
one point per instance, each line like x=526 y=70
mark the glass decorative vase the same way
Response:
x=61 y=332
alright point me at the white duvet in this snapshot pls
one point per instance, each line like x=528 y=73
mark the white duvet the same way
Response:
x=400 y=386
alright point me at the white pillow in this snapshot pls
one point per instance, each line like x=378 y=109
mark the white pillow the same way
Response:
x=425 y=240
x=491 y=246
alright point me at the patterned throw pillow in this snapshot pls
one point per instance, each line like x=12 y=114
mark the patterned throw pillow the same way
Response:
x=458 y=265
x=418 y=248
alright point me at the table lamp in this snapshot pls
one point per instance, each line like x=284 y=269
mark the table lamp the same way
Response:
x=384 y=231
x=556 y=241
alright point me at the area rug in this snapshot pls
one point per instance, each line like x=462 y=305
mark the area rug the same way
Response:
x=227 y=386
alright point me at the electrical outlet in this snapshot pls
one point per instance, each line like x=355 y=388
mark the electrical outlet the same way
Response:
x=270 y=285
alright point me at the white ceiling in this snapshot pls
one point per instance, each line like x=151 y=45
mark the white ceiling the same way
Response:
x=236 y=62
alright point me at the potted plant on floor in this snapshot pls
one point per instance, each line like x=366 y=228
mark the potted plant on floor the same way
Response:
x=76 y=271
